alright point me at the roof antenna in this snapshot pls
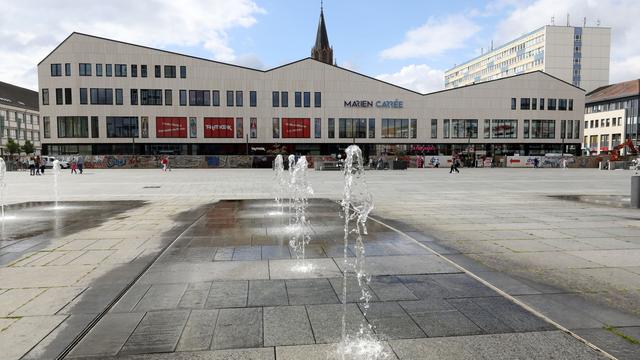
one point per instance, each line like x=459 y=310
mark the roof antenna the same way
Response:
x=553 y=20
x=584 y=22
x=492 y=45
x=568 y=20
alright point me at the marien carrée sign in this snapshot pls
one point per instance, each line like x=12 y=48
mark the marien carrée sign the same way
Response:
x=391 y=104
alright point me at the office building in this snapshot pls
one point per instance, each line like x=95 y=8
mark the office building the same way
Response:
x=19 y=117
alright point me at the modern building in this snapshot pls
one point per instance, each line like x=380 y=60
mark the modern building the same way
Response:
x=19 y=117
x=578 y=55
x=611 y=116
x=101 y=96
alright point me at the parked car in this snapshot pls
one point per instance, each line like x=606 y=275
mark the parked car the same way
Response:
x=48 y=162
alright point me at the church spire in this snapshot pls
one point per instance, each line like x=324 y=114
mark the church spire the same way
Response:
x=322 y=51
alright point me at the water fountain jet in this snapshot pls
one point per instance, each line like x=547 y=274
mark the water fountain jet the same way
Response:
x=300 y=226
x=56 y=172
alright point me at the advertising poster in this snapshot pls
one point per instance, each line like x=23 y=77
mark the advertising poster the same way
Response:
x=193 y=127
x=145 y=126
x=171 y=127
x=215 y=127
x=239 y=128
x=296 y=127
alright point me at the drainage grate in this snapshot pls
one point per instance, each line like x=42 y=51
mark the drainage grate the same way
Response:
x=151 y=187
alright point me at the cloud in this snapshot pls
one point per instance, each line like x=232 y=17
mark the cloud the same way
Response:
x=435 y=37
x=249 y=60
x=620 y=15
x=421 y=78
x=31 y=29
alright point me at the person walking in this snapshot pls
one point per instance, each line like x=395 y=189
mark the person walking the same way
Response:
x=454 y=166
x=32 y=166
x=74 y=166
x=165 y=163
x=37 y=163
x=42 y=166
x=80 y=164
x=436 y=163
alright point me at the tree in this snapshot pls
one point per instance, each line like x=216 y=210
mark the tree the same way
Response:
x=13 y=147
x=28 y=147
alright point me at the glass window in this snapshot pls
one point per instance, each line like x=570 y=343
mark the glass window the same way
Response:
x=526 y=129
x=193 y=127
x=134 y=70
x=73 y=127
x=513 y=103
x=317 y=99
x=543 y=129
x=143 y=71
x=134 y=96
x=372 y=128
x=169 y=71
x=434 y=128
x=504 y=129
x=46 y=124
x=239 y=98
x=414 y=128
x=98 y=69
x=576 y=129
x=108 y=69
x=67 y=96
x=253 y=98
x=45 y=96
x=464 y=128
x=586 y=124
x=275 y=99
x=298 y=99
x=217 y=127
x=275 y=128
x=183 y=72
x=56 y=69
x=95 y=131
x=541 y=103
x=239 y=128
x=551 y=104
x=229 y=98
x=253 y=127
x=183 y=97
x=307 y=99
x=168 y=97
x=121 y=70
x=570 y=104
x=296 y=128
x=119 y=100
x=317 y=128
x=445 y=128
x=562 y=104
x=534 y=104
x=84 y=97
x=487 y=128
x=101 y=96
x=151 y=97
x=85 y=69
x=525 y=104
x=171 y=127
x=144 y=125
x=331 y=128
x=67 y=69
x=199 y=98
x=158 y=71
x=355 y=128
x=216 y=98
x=284 y=98
x=122 y=126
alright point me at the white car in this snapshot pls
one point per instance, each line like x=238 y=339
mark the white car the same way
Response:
x=48 y=162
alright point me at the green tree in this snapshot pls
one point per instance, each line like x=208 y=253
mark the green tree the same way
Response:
x=28 y=147
x=13 y=147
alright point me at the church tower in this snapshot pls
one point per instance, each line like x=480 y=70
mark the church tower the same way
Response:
x=322 y=51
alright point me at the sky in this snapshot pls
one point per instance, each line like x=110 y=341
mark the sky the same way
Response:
x=409 y=43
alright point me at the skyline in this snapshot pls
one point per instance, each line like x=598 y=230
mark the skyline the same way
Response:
x=413 y=51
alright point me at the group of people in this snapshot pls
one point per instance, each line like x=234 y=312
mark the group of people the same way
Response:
x=77 y=165
x=36 y=166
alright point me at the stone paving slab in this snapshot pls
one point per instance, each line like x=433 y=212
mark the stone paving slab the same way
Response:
x=200 y=272
x=615 y=345
x=238 y=328
x=320 y=268
x=198 y=331
x=287 y=325
x=406 y=264
x=25 y=333
x=108 y=336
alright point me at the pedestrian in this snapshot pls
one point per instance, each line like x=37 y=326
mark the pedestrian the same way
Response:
x=536 y=163
x=437 y=162
x=74 y=166
x=454 y=166
x=42 y=166
x=32 y=166
x=80 y=164
x=37 y=163
x=165 y=163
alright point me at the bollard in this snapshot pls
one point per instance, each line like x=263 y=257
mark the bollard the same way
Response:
x=635 y=192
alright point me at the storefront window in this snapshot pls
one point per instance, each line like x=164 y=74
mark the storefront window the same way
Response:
x=464 y=128
x=414 y=128
x=352 y=128
x=445 y=128
x=331 y=128
x=395 y=128
x=372 y=128
x=487 y=128
x=317 y=128
x=543 y=129
x=504 y=129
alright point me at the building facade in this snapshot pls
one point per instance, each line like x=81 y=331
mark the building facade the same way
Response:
x=19 y=117
x=611 y=116
x=578 y=55
x=101 y=96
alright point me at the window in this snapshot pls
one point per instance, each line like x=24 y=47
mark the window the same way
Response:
x=134 y=70
x=253 y=127
x=413 y=131
x=504 y=129
x=541 y=103
x=586 y=124
x=121 y=70
x=562 y=104
x=607 y=122
x=59 y=96
x=46 y=124
x=296 y=128
x=434 y=128
x=95 y=131
x=144 y=125
x=353 y=128
x=513 y=103
x=98 y=69
x=216 y=98
x=445 y=128
x=615 y=140
x=85 y=69
x=253 y=99
x=169 y=71
x=143 y=71
x=193 y=127
x=317 y=99
x=67 y=69
x=275 y=128
x=73 y=127
x=134 y=96
x=122 y=126
x=45 y=97
x=84 y=96
x=570 y=105
x=307 y=99
x=218 y=127
x=526 y=129
x=298 y=99
x=372 y=128
x=239 y=98
x=464 y=128
x=331 y=128
x=551 y=104
x=229 y=98
x=101 y=96
x=604 y=142
x=56 y=69
x=525 y=104
x=543 y=129
x=534 y=104
x=275 y=99
x=183 y=97
x=150 y=96
x=168 y=97
x=284 y=98
x=570 y=129
x=108 y=69
x=119 y=97
x=158 y=71
x=171 y=127
x=239 y=128
x=199 y=98
x=67 y=96
x=183 y=72
x=487 y=128
x=317 y=128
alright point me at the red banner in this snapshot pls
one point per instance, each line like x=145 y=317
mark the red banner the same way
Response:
x=171 y=127
x=218 y=127
x=296 y=127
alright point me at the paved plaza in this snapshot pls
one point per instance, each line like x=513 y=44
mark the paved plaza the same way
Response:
x=195 y=264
